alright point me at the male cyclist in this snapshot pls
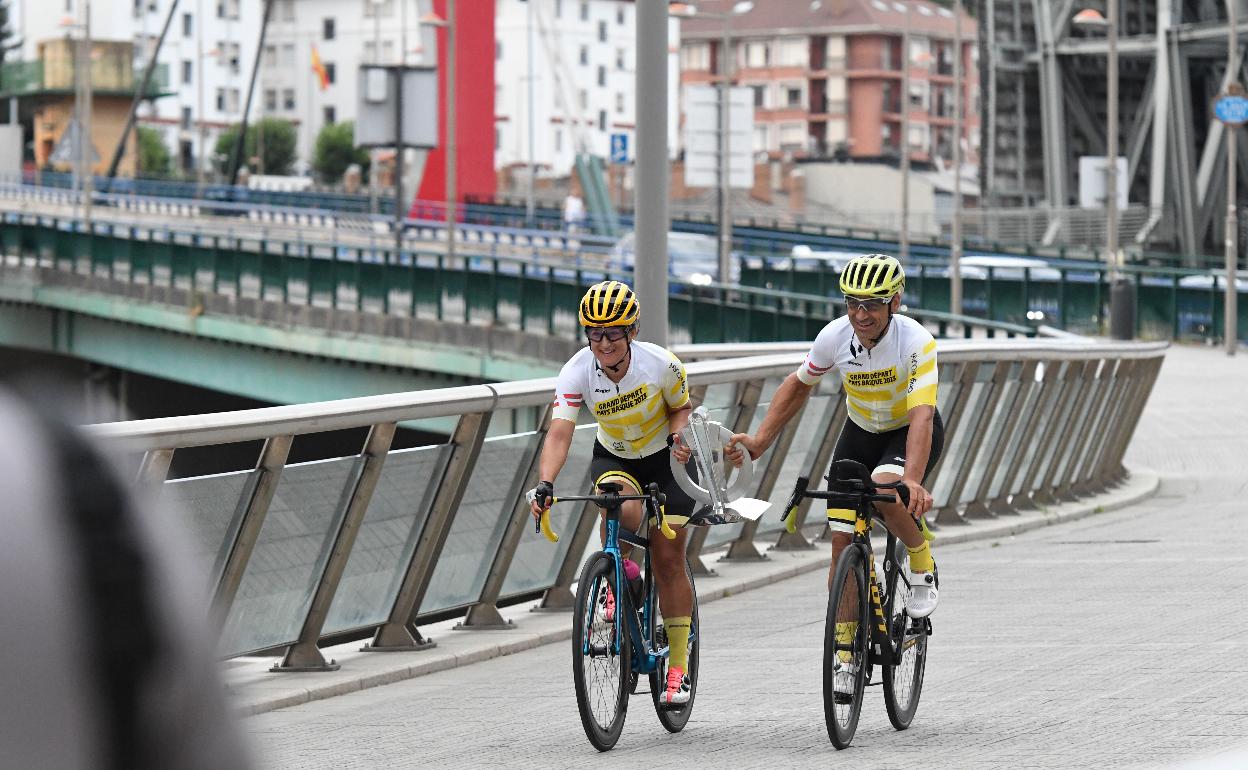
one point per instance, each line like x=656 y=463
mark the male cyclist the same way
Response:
x=638 y=395
x=887 y=364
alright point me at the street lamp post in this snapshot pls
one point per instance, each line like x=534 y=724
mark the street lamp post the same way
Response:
x=1230 y=314
x=903 y=238
x=1121 y=312
x=449 y=25
x=724 y=192
x=955 y=246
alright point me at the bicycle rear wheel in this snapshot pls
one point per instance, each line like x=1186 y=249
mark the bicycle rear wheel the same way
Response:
x=674 y=720
x=601 y=662
x=903 y=682
x=846 y=644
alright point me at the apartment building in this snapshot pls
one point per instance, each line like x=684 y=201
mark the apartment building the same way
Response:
x=827 y=75
x=578 y=56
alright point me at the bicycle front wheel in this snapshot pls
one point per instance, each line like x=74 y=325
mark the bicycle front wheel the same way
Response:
x=903 y=682
x=674 y=720
x=846 y=644
x=601 y=659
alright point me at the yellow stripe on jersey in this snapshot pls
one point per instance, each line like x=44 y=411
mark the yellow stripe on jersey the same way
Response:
x=860 y=394
x=925 y=396
x=929 y=347
x=925 y=367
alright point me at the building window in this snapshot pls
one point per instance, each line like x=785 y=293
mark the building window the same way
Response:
x=619 y=15
x=792 y=52
x=584 y=55
x=232 y=100
x=220 y=100
x=288 y=55
x=602 y=75
x=583 y=99
x=288 y=9
x=602 y=120
x=187 y=72
x=760 y=139
x=558 y=9
x=188 y=25
x=558 y=132
x=288 y=98
x=584 y=11
x=619 y=58
x=757 y=54
x=270 y=56
x=235 y=55
x=619 y=102
x=498 y=50
x=695 y=57
x=327 y=29
x=270 y=100
x=760 y=97
x=498 y=139
x=330 y=115
x=331 y=72
x=186 y=118
x=602 y=32
x=371 y=8
x=793 y=97
x=792 y=137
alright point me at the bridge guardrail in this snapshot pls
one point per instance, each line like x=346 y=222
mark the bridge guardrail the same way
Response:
x=377 y=543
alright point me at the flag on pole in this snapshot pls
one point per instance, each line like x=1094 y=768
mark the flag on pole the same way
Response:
x=317 y=67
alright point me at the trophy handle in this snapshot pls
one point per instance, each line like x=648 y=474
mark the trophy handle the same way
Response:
x=740 y=480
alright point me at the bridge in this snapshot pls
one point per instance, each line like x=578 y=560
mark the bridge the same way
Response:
x=423 y=554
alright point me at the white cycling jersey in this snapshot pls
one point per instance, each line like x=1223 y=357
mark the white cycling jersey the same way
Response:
x=881 y=384
x=632 y=413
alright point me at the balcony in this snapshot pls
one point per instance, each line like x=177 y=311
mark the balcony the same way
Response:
x=111 y=75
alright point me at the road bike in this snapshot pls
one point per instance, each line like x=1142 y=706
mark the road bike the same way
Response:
x=612 y=649
x=867 y=624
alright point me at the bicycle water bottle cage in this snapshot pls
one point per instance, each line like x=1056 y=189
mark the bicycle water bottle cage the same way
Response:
x=723 y=500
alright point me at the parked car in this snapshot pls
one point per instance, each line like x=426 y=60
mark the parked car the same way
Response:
x=692 y=258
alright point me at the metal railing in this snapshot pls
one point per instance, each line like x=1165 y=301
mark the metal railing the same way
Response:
x=377 y=543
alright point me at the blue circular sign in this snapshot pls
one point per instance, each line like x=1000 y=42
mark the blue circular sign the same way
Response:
x=1231 y=109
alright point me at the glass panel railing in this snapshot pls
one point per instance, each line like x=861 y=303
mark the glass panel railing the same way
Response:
x=537 y=561
x=994 y=426
x=957 y=445
x=387 y=538
x=488 y=502
x=1052 y=391
x=1085 y=397
x=208 y=506
x=289 y=557
x=811 y=433
x=1024 y=401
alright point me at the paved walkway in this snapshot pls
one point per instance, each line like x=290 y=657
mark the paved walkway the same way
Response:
x=1082 y=644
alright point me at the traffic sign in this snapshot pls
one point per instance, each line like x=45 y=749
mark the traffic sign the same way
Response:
x=1231 y=109
x=619 y=148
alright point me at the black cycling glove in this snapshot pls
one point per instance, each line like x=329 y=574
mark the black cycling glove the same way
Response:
x=542 y=493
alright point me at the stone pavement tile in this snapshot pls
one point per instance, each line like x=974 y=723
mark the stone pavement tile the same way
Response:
x=254 y=689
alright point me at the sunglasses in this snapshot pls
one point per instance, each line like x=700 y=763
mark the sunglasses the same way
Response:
x=853 y=303
x=610 y=334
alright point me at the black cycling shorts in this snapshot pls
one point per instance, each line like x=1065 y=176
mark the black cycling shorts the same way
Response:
x=885 y=452
x=640 y=471
x=880 y=453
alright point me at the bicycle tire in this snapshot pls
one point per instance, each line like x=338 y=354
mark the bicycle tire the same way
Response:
x=847 y=601
x=674 y=720
x=903 y=683
x=599 y=673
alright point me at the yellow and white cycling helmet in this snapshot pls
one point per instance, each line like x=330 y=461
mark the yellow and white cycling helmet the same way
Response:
x=873 y=275
x=609 y=303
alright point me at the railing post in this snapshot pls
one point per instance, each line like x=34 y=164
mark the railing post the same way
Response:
x=304 y=655
x=1073 y=410
x=1029 y=495
x=399 y=632
x=1003 y=503
x=978 y=507
x=965 y=379
x=1087 y=429
x=484 y=614
x=1087 y=479
x=154 y=468
x=979 y=430
x=253 y=505
x=1146 y=377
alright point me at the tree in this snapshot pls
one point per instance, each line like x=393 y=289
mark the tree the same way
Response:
x=154 y=158
x=279 y=146
x=335 y=150
x=6 y=32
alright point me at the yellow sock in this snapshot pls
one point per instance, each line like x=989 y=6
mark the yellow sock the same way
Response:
x=845 y=631
x=921 y=558
x=678 y=641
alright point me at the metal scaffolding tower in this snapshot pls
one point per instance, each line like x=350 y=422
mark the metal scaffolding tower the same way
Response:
x=1044 y=106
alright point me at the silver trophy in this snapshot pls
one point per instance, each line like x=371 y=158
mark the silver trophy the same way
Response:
x=722 y=500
